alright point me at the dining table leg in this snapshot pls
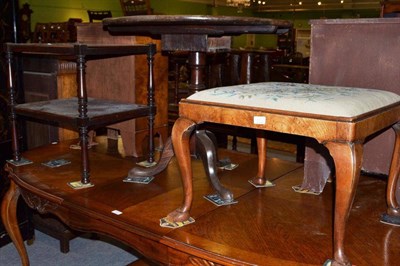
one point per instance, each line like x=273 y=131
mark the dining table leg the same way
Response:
x=10 y=221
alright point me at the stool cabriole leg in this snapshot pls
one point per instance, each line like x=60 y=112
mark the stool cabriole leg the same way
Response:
x=348 y=160
x=180 y=139
x=392 y=216
x=260 y=179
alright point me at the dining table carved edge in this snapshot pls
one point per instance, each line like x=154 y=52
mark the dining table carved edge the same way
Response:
x=146 y=243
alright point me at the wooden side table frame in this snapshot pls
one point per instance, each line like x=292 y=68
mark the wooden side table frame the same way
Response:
x=74 y=112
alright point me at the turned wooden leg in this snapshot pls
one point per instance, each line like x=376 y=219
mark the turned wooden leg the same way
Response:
x=348 y=159
x=393 y=211
x=205 y=148
x=85 y=168
x=260 y=179
x=9 y=216
x=180 y=141
x=197 y=64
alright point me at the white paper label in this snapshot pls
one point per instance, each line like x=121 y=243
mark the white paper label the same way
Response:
x=117 y=212
x=260 y=120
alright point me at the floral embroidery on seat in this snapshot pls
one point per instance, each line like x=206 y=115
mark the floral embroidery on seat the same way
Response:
x=300 y=97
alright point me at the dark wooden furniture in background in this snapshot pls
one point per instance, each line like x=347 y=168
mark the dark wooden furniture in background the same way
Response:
x=56 y=32
x=136 y=7
x=290 y=73
x=390 y=9
x=286 y=41
x=98 y=15
x=24 y=15
x=10 y=32
x=361 y=53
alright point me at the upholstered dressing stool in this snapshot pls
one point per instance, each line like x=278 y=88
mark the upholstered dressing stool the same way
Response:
x=338 y=117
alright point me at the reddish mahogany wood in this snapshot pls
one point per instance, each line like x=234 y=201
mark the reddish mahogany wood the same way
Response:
x=46 y=190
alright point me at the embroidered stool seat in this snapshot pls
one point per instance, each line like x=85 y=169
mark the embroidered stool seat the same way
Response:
x=299 y=98
x=341 y=118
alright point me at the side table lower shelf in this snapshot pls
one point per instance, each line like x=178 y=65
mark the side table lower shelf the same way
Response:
x=65 y=112
x=99 y=113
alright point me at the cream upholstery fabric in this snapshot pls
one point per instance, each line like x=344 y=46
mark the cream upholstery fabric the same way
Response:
x=304 y=98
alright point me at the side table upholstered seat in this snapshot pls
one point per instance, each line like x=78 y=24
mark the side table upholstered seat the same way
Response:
x=341 y=118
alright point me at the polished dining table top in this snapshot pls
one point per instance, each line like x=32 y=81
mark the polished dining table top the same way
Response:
x=193 y=24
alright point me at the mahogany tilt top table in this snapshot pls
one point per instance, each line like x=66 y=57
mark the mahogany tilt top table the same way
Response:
x=193 y=33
